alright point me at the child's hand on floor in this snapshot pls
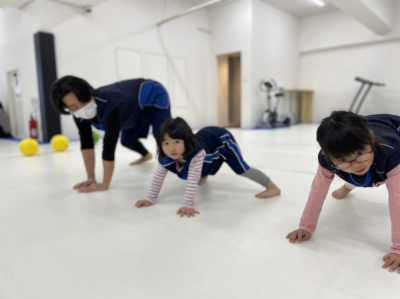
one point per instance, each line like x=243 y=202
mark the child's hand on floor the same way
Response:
x=187 y=211
x=143 y=203
x=299 y=234
x=393 y=260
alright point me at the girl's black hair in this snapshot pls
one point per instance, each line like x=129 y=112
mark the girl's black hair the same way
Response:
x=67 y=84
x=177 y=128
x=343 y=134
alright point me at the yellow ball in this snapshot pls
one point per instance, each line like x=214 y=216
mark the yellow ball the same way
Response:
x=28 y=146
x=59 y=142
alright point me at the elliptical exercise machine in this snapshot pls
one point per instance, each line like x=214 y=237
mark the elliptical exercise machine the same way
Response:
x=270 y=118
x=369 y=85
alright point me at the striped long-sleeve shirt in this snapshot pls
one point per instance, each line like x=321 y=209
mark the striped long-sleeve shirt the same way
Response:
x=194 y=175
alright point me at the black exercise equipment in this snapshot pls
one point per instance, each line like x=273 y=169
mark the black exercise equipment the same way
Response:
x=270 y=116
x=369 y=85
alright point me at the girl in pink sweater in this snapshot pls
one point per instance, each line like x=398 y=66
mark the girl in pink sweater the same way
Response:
x=364 y=152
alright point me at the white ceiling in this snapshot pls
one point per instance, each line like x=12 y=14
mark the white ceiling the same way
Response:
x=197 y=1
x=19 y=3
x=301 y=8
x=84 y=2
x=13 y=3
x=298 y=8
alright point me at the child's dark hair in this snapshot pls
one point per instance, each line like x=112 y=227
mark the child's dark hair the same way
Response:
x=67 y=84
x=344 y=133
x=177 y=128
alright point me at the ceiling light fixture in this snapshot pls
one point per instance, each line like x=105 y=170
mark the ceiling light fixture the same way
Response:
x=319 y=3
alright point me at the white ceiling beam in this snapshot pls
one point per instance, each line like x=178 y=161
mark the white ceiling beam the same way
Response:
x=85 y=2
x=189 y=11
x=377 y=15
x=14 y=3
x=20 y=4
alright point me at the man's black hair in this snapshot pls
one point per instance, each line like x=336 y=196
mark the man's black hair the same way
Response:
x=82 y=90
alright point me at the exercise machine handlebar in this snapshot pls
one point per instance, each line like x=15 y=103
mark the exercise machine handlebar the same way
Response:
x=364 y=81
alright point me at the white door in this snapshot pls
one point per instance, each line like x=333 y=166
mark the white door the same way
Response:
x=15 y=104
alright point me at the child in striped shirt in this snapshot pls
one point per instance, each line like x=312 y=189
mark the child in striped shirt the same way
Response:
x=193 y=157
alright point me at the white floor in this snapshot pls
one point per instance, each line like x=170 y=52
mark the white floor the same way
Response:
x=56 y=243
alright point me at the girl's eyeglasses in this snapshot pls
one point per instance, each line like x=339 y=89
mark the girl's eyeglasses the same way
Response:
x=360 y=159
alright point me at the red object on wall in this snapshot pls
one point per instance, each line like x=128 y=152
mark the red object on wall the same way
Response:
x=33 y=132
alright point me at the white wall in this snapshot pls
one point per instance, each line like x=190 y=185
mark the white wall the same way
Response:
x=85 y=47
x=231 y=25
x=334 y=49
x=17 y=52
x=267 y=40
x=86 y=43
x=274 y=53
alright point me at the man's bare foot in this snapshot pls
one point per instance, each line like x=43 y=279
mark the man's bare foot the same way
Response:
x=142 y=159
x=203 y=180
x=272 y=190
x=341 y=192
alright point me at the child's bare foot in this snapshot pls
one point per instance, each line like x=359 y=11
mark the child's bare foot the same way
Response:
x=272 y=190
x=203 y=180
x=341 y=192
x=142 y=159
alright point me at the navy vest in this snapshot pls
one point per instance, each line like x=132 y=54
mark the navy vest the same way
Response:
x=386 y=157
x=213 y=141
x=135 y=94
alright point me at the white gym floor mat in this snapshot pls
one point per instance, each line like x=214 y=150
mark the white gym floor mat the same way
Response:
x=56 y=243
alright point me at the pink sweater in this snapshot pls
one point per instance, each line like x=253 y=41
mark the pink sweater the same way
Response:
x=194 y=175
x=320 y=188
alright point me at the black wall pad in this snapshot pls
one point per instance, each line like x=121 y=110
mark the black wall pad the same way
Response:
x=46 y=74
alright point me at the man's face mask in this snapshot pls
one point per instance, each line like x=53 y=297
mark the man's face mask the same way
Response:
x=88 y=111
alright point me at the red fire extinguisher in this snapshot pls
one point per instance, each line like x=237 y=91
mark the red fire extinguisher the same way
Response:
x=33 y=132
